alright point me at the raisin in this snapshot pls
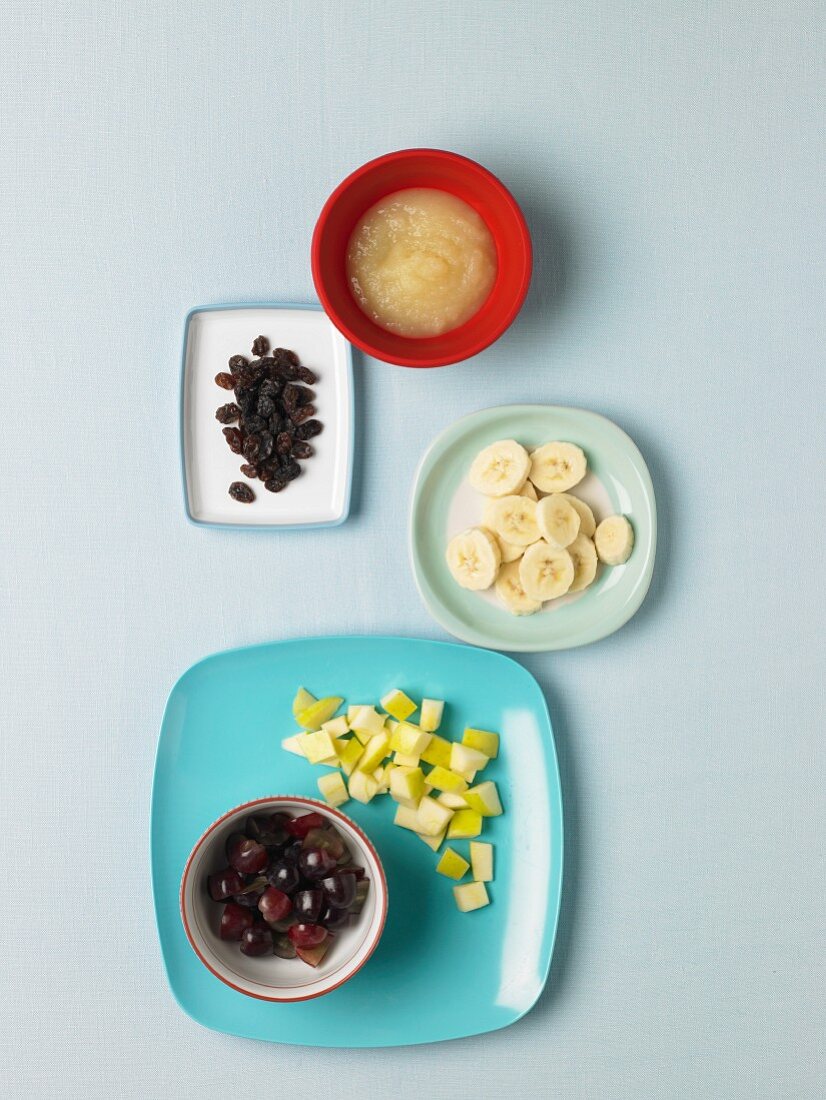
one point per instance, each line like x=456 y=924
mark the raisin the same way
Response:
x=291 y=471
x=236 y=362
x=251 y=447
x=305 y=396
x=266 y=406
x=309 y=429
x=265 y=446
x=268 y=469
x=275 y=484
x=260 y=345
x=291 y=396
x=235 y=439
x=241 y=492
x=302 y=449
x=269 y=388
x=248 y=470
x=227 y=414
x=255 y=424
x=304 y=374
x=303 y=413
x=284 y=443
x=225 y=381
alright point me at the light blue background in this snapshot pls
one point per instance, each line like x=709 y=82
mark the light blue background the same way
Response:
x=669 y=157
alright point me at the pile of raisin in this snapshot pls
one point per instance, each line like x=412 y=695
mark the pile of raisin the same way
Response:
x=274 y=416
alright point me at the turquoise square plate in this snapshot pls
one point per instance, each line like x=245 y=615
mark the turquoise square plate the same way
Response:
x=444 y=504
x=437 y=973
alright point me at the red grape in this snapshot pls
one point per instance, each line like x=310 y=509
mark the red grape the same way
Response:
x=334 y=918
x=245 y=855
x=308 y=904
x=283 y=947
x=257 y=940
x=340 y=889
x=235 y=920
x=315 y=862
x=300 y=826
x=274 y=905
x=307 y=935
x=284 y=876
x=223 y=884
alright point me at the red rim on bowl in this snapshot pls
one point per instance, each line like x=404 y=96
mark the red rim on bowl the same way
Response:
x=313 y=804
x=470 y=182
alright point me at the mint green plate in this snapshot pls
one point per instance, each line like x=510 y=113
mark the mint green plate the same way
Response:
x=444 y=504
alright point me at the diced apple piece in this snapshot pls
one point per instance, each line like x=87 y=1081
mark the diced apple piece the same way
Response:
x=336 y=727
x=367 y=720
x=433 y=842
x=452 y=865
x=432 y=817
x=409 y=739
x=293 y=744
x=352 y=711
x=470 y=896
x=407 y=818
x=363 y=787
x=362 y=736
x=467 y=762
x=348 y=753
x=485 y=742
x=320 y=711
x=431 y=715
x=333 y=788
x=302 y=700
x=484 y=798
x=437 y=752
x=481 y=861
x=464 y=824
x=318 y=747
x=382 y=777
x=397 y=704
x=444 y=780
x=374 y=753
x=402 y=760
x=407 y=786
x=391 y=725
x=452 y=800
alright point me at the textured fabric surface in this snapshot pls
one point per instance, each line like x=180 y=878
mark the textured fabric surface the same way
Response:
x=669 y=157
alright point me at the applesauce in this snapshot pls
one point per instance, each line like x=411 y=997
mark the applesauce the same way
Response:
x=421 y=262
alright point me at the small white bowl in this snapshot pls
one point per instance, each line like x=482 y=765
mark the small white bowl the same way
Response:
x=268 y=977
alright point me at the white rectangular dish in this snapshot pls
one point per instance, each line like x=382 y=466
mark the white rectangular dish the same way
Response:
x=320 y=497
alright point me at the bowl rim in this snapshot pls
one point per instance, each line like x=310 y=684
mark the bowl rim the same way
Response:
x=315 y=804
x=474 y=347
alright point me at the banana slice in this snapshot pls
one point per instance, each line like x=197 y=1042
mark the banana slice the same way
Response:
x=587 y=523
x=510 y=591
x=500 y=469
x=512 y=518
x=528 y=490
x=473 y=558
x=509 y=551
x=614 y=540
x=546 y=571
x=557 y=519
x=584 y=557
x=557 y=467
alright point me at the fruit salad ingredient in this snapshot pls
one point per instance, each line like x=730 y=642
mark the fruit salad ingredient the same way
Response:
x=268 y=407
x=473 y=558
x=431 y=714
x=484 y=798
x=483 y=740
x=421 y=262
x=307 y=889
x=452 y=864
x=614 y=540
x=398 y=704
x=464 y=824
x=584 y=556
x=587 y=523
x=512 y=519
x=333 y=789
x=557 y=520
x=470 y=896
x=481 y=861
x=546 y=572
x=500 y=469
x=510 y=591
x=557 y=467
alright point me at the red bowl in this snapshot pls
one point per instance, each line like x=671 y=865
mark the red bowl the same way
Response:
x=422 y=168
